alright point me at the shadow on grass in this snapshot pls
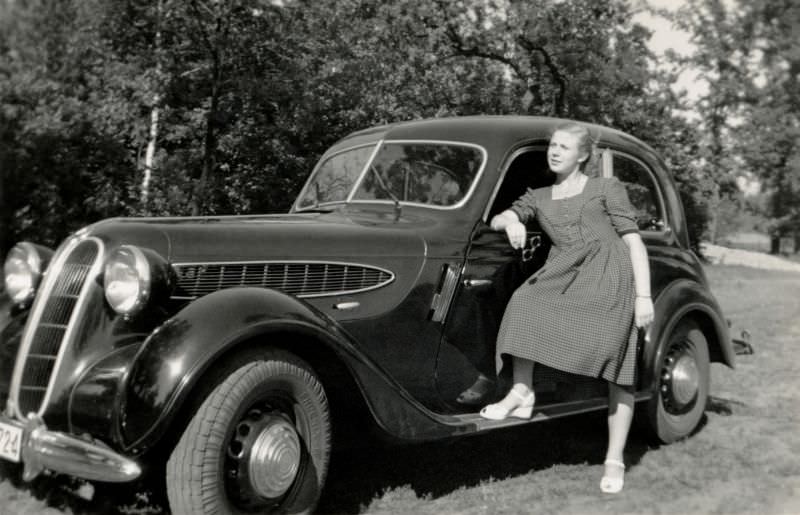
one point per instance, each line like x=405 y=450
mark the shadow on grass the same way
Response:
x=359 y=476
x=65 y=493
x=436 y=469
x=724 y=407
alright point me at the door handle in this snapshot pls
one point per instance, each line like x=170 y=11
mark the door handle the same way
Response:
x=475 y=283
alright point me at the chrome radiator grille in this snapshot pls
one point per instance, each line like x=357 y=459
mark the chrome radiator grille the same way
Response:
x=51 y=322
x=302 y=279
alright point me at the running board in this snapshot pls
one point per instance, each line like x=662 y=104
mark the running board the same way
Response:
x=549 y=412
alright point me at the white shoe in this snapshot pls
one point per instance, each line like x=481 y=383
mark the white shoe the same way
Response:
x=613 y=485
x=499 y=412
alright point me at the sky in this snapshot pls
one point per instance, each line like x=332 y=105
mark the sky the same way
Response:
x=666 y=36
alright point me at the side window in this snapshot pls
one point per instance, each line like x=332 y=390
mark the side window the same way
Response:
x=527 y=170
x=429 y=173
x=642 y=190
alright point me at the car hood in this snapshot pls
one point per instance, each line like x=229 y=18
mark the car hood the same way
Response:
x=276 y=237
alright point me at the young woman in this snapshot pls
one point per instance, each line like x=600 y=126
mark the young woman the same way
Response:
x=580 y=312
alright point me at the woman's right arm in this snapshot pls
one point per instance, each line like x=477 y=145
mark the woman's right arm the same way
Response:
x=508 y=220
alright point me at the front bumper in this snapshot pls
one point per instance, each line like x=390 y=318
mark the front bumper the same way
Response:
x=44 y=449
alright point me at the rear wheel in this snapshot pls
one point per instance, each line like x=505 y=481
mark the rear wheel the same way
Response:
x=682 y=378
x=260 y=442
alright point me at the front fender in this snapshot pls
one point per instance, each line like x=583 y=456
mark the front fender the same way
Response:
x=96 y=396
x=178 y=352
x=173 y=359
x=12 y=323
x=680 y=299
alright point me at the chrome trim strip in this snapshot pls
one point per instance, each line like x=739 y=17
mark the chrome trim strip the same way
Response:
x=544 y=413
x=653 y=180
x=49 y=281
x=472 y=187
x=363 y=173
x=295 y=262
x=347 y=305
x=522 y=150
x=606 y=170
x=476 y=283
x=606 y=163
x=440 y=304
x=457 y=205
x=324 y=158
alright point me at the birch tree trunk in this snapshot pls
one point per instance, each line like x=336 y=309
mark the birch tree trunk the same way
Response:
x=150 y=153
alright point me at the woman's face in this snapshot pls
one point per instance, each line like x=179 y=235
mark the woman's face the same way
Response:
x=563 y=155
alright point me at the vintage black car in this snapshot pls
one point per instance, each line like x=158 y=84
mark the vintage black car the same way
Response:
x=228 y=353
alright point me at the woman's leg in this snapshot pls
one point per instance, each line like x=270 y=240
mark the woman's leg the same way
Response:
x=620 y=416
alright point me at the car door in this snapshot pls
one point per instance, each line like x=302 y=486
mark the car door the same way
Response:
x=491 y=272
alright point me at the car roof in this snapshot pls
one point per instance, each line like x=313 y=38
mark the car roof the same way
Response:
x=488 y=131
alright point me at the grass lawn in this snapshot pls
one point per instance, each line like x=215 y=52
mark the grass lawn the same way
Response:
x=744 y=459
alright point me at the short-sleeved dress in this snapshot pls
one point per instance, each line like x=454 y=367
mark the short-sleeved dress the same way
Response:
x=575 y=314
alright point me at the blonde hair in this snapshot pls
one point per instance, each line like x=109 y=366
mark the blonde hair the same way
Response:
x=586 y=144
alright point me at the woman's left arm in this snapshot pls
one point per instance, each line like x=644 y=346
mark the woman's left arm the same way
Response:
x=643 y=308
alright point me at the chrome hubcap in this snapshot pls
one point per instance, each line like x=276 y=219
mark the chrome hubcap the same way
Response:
x=275 y=459
x=685 y=380
x=680 y=380
x=264 y=458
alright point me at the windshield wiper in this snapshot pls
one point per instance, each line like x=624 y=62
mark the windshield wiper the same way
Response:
x=397 y=209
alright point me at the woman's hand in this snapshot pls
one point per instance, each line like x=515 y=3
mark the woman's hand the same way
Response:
x=643 y=311
x=509 y=222
x=516 y=233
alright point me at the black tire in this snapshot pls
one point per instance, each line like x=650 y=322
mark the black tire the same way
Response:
x=682 y=377
x=268 y=419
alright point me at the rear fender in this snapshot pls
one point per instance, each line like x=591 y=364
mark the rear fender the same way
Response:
x=682 y=299
x=176 y=355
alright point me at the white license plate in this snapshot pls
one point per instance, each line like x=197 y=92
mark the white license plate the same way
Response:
x=10 y=442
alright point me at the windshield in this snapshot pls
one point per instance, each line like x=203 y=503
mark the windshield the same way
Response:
x=335 y=177
x=423 y=173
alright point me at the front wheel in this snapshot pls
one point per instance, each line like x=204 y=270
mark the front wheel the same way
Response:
x=682 y=377
x=260 y=442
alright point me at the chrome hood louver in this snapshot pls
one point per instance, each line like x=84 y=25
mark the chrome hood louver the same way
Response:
x=304 y=279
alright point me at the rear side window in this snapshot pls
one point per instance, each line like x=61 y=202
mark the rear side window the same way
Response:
x=643 y=192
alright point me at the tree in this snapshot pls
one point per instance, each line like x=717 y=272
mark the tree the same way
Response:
x=770 y=135
x=724 y=35
x=66 y=169
x=115 y=107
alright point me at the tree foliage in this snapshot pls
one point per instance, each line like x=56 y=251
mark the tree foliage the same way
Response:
x=225 y=106
x=749 y=57
x=772 y=127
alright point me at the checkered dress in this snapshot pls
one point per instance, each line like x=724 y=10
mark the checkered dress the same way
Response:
x=576 y=313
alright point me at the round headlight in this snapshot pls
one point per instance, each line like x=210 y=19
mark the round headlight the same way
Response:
x=127 y=280
x=22 y=271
